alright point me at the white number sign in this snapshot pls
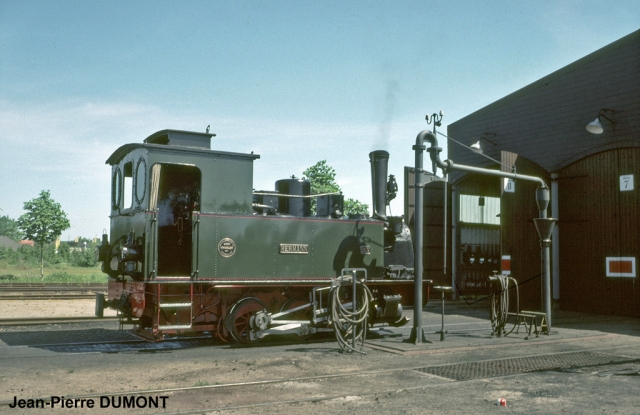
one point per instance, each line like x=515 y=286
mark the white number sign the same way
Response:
x=509 y=185
x=626 y=183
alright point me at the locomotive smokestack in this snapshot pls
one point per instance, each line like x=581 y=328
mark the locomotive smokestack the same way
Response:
x=379 y=160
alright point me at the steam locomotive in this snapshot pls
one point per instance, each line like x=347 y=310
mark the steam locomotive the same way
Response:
x=193 y=248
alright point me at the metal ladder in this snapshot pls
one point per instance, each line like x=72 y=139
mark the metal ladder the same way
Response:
x=162 y=305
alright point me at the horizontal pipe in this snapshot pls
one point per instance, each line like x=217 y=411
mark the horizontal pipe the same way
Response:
x=448 y=165
x=294 y=196
x=489 y=172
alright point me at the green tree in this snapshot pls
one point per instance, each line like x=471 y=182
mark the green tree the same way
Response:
x=355 y=207
x=323 y=180
x=10 y=228
x=43 y=223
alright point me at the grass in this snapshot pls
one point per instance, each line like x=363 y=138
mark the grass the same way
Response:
x=52 y=273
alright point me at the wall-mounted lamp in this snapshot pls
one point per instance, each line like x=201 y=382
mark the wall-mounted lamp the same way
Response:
x=477 y=147
x=595 y=126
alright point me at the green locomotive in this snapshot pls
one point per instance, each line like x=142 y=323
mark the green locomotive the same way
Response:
x=192 y=247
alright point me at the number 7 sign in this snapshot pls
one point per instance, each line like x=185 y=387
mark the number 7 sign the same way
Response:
x=626 y=183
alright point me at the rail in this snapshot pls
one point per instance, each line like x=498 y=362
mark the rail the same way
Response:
x=40 y=287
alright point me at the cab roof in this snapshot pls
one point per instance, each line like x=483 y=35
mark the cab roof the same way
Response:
x=175 y=141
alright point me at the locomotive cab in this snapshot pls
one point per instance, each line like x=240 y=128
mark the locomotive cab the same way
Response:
x=157 y=186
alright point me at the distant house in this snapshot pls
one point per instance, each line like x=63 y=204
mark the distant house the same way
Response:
x=26 y=242
x=8 y=243
x=75 y=245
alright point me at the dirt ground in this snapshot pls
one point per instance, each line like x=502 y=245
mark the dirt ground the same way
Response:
x=49 y=308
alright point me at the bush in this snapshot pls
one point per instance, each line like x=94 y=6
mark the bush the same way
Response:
x=67 y=277
x=7 y=278
x=67 y=265
x=30 y=256
x=85 y=259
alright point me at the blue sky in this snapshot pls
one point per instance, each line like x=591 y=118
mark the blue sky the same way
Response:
x=294 y=81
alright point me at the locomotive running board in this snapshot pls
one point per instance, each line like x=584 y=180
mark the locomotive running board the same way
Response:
x=175 y=327
x=174 y=305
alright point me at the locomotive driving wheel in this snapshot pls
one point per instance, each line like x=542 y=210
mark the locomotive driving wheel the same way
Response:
x=237 y=322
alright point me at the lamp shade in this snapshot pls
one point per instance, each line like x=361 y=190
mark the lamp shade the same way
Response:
x=595 y=127
x=476 y=147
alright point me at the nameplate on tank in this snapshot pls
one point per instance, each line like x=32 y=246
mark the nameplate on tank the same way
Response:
x=294 y=249
x=227 y=247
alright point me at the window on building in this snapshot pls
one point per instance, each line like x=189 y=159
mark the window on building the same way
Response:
x=480 y=209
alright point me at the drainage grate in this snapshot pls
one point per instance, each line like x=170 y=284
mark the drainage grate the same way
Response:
x=505 y=367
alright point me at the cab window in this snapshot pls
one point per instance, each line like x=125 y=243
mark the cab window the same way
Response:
x=128 y=185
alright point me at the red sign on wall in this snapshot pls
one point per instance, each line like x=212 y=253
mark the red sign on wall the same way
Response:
x=506 y=264
x=621 y=267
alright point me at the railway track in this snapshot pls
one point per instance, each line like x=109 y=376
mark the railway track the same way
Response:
x=47 y=297
x=50 y=291
x=51 y=320
x=20 y=287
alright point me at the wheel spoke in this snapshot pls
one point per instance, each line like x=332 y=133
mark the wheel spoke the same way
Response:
x=239 y=317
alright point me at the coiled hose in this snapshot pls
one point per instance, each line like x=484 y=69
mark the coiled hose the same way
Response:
x=345 y=320
x=500 y=304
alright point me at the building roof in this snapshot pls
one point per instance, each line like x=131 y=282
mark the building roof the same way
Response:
x=9 y=243
x=545 y=121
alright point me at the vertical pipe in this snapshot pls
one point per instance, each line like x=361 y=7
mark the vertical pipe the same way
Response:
x=547 y=281
x=353 y=309
x=555 y=244
x=442 y=327
x=444 y=243
x=454 y=236
x=418 y=216
x=191 y=307
x=544 y=227
x=157 y=322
